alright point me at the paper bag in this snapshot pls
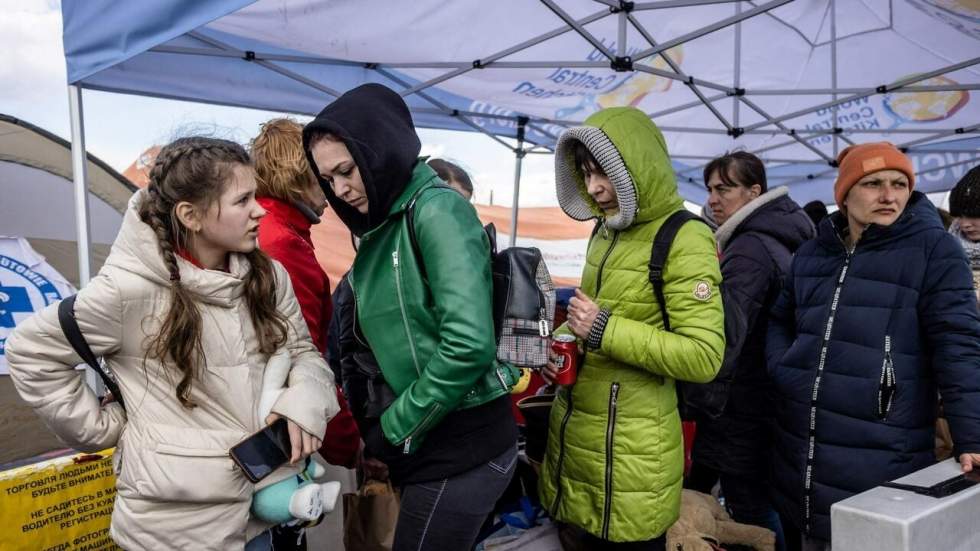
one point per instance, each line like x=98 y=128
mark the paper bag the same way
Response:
x=370 y=517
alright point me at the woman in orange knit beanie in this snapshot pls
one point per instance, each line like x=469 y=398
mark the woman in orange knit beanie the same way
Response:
x=874 y=183
x=876 y=318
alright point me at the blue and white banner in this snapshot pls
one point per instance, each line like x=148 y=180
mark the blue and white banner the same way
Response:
x=27 y=285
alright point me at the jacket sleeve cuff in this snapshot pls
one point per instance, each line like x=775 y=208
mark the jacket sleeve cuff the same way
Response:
x=598 y=329
x=307 y=408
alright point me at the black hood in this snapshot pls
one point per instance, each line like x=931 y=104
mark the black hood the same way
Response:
x=374 y=123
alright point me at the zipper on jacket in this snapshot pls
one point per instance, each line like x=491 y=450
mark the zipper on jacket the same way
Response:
x=610 y=430
x=808 y=480
x=561 y=451
x=602 y=263
x=419 y=428
x=401 y=305
x=500 y=377
x=887 y=384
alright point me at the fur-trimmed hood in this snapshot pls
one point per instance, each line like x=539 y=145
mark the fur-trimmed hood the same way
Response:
x=772 y=213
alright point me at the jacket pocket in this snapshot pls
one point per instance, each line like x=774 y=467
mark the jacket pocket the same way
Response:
x=887 y=385
x=183 y=464
x=191 y=475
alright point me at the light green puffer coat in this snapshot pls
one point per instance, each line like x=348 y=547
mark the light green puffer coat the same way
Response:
x=614 y=458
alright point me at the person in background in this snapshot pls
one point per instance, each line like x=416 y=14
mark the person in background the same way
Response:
x=964 y=205
x=816 y=210
x=424 y=308
x=454 y=175
x=291 y=196
x=612 y=469
x=762 y=230
x=876 y=314
x=185 y=313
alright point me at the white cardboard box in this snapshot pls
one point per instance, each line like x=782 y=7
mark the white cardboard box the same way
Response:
x=888 y=519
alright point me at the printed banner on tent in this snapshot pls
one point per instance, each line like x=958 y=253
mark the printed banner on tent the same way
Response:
x=27 y=284
x=64 y=504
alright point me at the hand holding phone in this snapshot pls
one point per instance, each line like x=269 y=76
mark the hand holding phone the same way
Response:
x=303 y=444
x=263 y=452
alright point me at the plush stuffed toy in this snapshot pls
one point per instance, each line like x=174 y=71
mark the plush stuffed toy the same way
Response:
x=297 y=497
x=705 y=526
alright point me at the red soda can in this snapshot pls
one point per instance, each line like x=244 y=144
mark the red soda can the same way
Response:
x=566 y=350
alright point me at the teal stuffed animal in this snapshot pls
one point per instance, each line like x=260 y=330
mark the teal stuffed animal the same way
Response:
x=297 y=497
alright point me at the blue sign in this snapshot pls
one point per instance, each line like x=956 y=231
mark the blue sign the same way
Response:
x=22 y=291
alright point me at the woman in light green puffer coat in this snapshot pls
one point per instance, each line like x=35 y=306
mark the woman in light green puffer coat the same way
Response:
x=614 y=458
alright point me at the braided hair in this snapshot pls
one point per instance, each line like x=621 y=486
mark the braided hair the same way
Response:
x=195 y=170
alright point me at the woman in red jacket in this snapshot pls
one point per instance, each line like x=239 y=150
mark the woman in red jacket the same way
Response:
x=291 y=196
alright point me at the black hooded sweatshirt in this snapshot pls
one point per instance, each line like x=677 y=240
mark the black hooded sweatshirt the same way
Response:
x=375 y=124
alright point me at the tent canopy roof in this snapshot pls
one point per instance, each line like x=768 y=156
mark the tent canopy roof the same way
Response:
x=23 y=143
x=794 y=82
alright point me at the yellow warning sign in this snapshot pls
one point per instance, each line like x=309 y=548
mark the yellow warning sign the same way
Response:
x=61 y=504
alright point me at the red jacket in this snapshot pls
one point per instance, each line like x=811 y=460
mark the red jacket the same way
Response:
x=284 y=234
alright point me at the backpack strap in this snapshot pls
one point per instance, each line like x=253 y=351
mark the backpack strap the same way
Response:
x=658 y=256
x=69 y=326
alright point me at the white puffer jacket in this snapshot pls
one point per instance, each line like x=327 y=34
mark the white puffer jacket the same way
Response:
x=177 y=485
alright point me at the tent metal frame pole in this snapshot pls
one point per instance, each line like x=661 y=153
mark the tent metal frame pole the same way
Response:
x=738 y=63
x=944 y=167
x=830 y=91
x=698 y=33
x=941 y=134
x=579 y=28
x=488 y=60
x=442 y=108
x=676 y=68
x=518 y=158
x=870 y=92
x=686 y=106
x=621 y=34
x=751 y=105
x=833 y=71
x=666 y=4
x=266 y=64
x=79 y=169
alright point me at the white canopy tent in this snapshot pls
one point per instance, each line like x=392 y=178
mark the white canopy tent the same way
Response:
x=792 y=81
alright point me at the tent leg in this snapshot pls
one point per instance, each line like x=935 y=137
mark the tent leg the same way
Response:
x=519 y=157
x=83 y=238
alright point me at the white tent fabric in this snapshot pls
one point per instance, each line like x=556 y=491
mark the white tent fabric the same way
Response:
x=794 y=81
x=36 y=202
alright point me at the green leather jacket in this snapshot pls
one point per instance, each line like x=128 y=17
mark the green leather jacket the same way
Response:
x=434 y=340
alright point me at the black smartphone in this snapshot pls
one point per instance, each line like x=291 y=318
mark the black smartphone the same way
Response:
x=263 y=452
x=953 y=485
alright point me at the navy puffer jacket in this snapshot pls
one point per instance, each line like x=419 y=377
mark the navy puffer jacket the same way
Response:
x=757 y=246
x=899 y=307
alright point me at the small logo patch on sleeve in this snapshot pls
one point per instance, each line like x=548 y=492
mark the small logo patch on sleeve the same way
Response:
x=702 y=290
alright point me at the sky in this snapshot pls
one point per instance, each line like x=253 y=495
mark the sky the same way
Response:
x=119 y=127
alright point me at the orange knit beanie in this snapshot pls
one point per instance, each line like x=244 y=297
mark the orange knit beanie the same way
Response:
x=857 y=161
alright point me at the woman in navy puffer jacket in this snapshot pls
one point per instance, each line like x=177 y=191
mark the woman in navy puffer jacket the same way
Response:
x=876 y=313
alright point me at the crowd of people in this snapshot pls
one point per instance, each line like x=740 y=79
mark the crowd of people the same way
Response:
x=841 y=338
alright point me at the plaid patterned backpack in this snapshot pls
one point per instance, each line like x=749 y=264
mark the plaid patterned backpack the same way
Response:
x=523 y=298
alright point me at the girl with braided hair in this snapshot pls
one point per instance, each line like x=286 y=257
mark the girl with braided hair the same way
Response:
x=186 y=313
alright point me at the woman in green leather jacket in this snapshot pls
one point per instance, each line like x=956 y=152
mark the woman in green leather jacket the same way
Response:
x=449 y=438
x=614 y=459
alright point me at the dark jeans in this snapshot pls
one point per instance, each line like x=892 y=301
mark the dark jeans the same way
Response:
x=447 y=514
x=574 y=538
x=746 y=498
